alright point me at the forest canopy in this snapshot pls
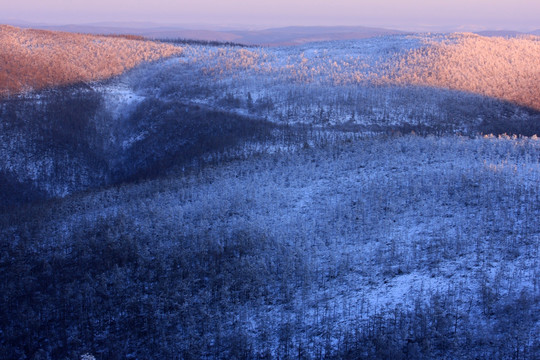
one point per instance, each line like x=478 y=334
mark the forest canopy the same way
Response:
x=36 y=59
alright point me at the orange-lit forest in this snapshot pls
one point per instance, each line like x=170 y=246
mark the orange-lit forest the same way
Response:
x=507 y=69
x=36 y=59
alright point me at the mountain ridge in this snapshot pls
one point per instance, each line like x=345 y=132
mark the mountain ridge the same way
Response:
x=290 y=35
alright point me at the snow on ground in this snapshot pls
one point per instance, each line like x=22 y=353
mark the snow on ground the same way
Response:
x=359 y=226
x=325 y=83
x=120 y=97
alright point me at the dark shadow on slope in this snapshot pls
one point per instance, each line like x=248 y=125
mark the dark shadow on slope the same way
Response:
x=466 y=113
x=176 y=134
x=435 y=111
x=50 y=144
x=512 y=122
x=14 y=192
x=65 y=138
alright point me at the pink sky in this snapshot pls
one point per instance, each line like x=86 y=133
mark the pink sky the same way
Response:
x=401 y=14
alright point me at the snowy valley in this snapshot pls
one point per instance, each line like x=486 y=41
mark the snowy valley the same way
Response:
x=340 y=199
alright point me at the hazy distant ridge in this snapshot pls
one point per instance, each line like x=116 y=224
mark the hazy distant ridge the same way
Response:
x=296 y=35
x=292 y=35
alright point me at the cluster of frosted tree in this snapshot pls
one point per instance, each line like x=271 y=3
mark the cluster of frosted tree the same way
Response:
x=205 y=232
x=401 y=248
x=35 y=59
x=507 y=69
x=355 y=82
x=301 y=65
x=69 y=140
x=227 y=60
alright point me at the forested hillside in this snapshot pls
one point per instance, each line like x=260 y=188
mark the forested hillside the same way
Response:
x=63 y=140
x=333 y=200
x=404 y=247
x=35 y=59
x=376 y=83
x=504 y=68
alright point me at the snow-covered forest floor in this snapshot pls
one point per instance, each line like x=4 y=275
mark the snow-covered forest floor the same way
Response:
x=392 y=247
x=251 y=203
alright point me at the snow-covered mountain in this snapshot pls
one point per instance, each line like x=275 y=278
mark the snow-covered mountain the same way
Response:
x=335 y=199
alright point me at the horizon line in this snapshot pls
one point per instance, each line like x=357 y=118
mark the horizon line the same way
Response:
x=141 y=24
